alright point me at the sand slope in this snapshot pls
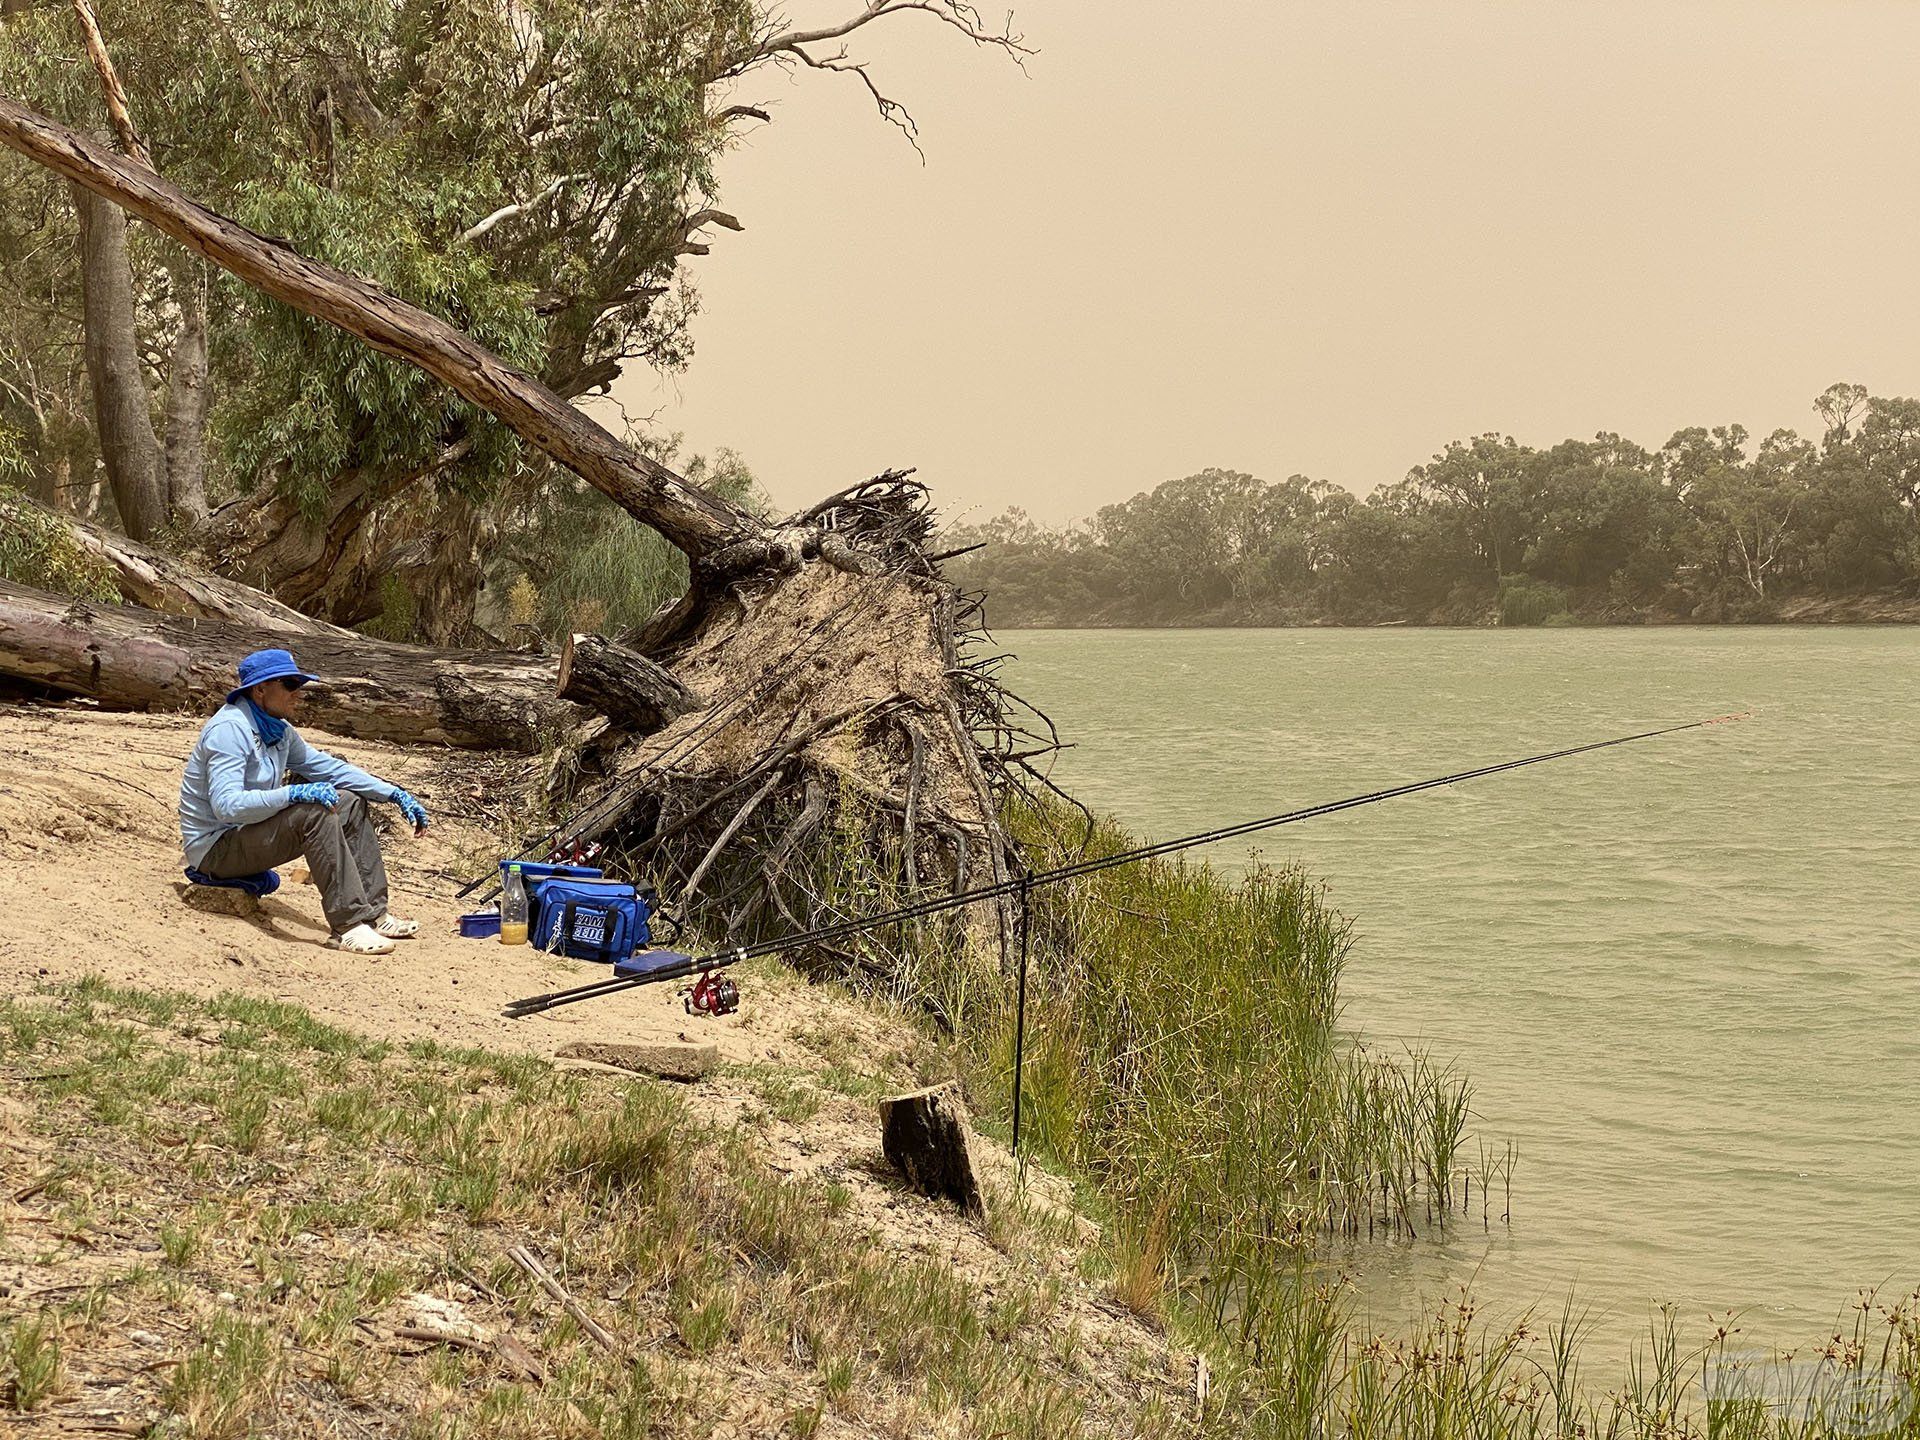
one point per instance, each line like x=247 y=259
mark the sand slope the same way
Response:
x=90 y=878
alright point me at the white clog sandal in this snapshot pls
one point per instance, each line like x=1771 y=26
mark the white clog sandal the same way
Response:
x=361 y=940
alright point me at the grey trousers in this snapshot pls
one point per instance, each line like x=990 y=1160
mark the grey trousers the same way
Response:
x=341 y=848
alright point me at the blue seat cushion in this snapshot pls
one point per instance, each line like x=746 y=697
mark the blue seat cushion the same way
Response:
x=651 y=962
x=265 y=883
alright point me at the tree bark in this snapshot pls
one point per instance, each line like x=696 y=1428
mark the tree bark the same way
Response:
x=156 y=580
x=133 y=659
x=123 y=421
x=334 y=565
x=691 y=517
x=187 y=401
x=621 y=683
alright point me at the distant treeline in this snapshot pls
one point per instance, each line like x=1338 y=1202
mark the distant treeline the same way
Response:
x=1707 y=528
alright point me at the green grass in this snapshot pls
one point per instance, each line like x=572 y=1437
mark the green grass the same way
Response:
x=32 y=1347
x=286 y=1182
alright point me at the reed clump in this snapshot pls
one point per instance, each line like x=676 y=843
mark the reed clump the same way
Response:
x=1183 y=1047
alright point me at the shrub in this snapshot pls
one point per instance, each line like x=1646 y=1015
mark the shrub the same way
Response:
x=37 y=550
x=1525 y=601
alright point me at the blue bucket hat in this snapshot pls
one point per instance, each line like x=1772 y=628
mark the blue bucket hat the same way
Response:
x=268 y=665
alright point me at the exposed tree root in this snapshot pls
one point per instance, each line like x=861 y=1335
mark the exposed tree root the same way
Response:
x=842 y=757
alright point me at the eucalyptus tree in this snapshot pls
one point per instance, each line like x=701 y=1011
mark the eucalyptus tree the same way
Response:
x=539 y=172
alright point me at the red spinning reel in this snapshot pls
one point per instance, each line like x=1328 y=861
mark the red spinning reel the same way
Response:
x=711 y=995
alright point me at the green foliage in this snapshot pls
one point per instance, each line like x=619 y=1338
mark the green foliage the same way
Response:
x=1524 y=601
x=13 y=458
x=1182 y=1053
x=580 y=562
x=399 y=616
x=31 y=1348
x=527 y=173
x=37 y=550
x=1708 y=527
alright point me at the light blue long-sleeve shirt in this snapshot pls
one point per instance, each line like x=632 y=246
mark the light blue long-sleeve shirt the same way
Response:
x=235 y=778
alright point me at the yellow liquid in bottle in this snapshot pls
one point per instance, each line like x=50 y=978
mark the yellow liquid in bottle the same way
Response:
x=513 y=934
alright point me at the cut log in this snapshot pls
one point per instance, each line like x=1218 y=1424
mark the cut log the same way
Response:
x=132 y=659
x=924 y=1135
x=622 y=683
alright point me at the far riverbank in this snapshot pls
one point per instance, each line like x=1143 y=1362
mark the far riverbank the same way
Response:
x=1879 y=608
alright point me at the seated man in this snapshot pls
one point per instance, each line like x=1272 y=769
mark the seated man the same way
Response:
x=239 y=814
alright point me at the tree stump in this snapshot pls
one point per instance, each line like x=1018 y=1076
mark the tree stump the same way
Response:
x=622 y=683
x=924 y=1135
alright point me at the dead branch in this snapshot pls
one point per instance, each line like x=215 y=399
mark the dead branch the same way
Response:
x=962 y=17
x=114 y=92
x=596 y=1332
x=797 y=46
x=741 y=816
x=687 y=245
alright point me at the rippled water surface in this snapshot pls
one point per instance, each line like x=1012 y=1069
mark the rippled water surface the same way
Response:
x=1684 y=975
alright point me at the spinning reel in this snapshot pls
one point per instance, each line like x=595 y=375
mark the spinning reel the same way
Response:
x=712 y=995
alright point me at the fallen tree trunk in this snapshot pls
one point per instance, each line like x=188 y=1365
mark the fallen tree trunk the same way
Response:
x=155 y=580
x=132 y=659
x=621 y=683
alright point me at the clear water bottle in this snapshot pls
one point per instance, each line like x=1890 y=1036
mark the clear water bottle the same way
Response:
x=513 y=909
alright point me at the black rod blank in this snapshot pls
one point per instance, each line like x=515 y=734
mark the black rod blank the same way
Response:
x=1017 y=885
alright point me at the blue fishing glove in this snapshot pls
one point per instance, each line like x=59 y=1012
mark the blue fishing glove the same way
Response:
x=415 y=812
x=313 y=793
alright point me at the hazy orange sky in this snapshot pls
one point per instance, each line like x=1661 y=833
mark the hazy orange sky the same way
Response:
x=1310 y=237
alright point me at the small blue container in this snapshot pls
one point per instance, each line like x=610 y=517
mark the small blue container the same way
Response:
x=479 y=924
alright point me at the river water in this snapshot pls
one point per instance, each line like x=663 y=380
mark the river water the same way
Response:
x=1683 y=975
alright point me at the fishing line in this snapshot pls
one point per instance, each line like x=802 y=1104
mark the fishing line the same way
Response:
x=1023 y=884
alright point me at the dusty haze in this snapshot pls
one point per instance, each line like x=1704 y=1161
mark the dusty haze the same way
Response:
x=1307 y=237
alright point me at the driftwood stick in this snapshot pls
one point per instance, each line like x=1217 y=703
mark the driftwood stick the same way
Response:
x=440 y=1337
x=916 y=773
x=732 y=828
x=537 y=1272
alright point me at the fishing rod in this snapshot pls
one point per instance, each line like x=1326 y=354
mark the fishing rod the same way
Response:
x=672 y=966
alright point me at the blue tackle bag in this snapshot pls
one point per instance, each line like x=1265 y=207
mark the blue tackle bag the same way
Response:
x=588 y=919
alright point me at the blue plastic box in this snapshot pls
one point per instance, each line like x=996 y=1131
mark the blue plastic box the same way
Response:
x=478 y=924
